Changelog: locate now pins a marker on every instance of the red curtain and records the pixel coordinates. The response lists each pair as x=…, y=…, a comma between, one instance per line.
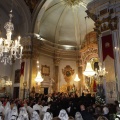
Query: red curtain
x=107, y=46
x=94, y=86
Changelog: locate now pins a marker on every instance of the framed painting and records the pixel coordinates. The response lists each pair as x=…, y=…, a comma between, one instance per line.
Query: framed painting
x=45, y=70
x=17, y=76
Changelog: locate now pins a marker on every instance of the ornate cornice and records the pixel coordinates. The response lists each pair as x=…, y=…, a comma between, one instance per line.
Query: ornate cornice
x=105, y=13
x=105, y=24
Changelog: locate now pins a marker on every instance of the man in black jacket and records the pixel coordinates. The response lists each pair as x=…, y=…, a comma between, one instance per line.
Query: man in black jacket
x=85, y=114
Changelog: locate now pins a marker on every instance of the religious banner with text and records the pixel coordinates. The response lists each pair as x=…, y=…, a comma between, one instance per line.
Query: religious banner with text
x=107, y=46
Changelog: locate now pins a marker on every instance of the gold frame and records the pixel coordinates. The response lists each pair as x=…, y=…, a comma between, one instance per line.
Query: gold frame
x=45, y=70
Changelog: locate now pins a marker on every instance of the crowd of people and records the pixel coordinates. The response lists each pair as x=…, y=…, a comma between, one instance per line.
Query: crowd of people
x=56, y=106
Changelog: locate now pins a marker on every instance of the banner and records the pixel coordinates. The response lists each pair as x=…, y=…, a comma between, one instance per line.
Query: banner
x=22, y=75
x=107, y=46
x=94, y=86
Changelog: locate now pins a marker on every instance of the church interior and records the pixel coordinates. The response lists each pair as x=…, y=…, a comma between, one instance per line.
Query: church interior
x=64, y=46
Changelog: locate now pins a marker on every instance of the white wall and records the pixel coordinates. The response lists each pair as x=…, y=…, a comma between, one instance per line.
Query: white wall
x=44, y=60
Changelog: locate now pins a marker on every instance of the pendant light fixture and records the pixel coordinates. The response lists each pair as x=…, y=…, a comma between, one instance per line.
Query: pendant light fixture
x=77, y=79
x=89, y=71
x=39, y=77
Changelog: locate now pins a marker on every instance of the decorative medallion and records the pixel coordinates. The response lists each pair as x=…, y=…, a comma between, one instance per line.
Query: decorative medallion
x=68, y=73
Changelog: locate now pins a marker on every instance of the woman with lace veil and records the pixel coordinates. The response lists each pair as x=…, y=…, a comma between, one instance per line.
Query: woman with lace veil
x=63, y=115
x=23, y=115
x=35, y=116
x=47, y=116
x=78, y=116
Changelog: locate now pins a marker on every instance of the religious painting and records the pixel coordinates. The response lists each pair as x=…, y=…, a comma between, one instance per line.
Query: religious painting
x=17, y=76
x=45, y=70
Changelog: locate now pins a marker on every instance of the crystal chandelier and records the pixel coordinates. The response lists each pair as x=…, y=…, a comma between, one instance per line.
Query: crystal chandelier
x=89, y=71
x=101, y=72
x=8, y=82
x=39, y=78
x=77, y=78
x=10, y=49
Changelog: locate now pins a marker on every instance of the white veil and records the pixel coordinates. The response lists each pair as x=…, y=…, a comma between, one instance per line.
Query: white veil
x=23, y=115
x=35, y=116
x=63, y=115
x=14, y=113
x=47, y=116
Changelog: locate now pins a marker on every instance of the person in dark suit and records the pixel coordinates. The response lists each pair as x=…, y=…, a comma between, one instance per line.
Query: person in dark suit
x=85, y=114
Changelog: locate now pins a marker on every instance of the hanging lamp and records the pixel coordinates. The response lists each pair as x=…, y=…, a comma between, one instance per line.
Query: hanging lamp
x=89, y=71
x=77, y=78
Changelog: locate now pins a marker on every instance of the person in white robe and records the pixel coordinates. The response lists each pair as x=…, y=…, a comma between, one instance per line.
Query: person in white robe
x=23, y=115
x=29, y=110
x=13, y=114
x=1, y=111
x=48, y=116
x=63, y=115
x=7, y=111
x=37, y=107
x=35, y=116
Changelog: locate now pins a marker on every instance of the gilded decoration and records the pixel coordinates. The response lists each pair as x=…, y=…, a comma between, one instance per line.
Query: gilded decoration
x=65, y=88
x=68, y=74
x=105, y=24
x=89, y=48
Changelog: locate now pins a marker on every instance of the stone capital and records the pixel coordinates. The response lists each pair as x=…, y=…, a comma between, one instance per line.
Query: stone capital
x=56, y=61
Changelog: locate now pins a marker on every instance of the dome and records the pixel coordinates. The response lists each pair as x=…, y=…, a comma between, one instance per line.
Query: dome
x=61, y=24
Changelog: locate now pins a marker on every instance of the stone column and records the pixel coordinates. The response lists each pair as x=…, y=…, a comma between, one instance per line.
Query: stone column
x=26, y=42
x=80, y=75
x=56, y=86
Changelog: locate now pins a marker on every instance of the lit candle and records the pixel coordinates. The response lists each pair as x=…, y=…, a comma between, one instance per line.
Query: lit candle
x=21, y=48
x=19, y=40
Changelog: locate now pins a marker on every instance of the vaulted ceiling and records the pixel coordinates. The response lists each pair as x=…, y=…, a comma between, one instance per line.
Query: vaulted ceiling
x=55, y=21
x=61, y=24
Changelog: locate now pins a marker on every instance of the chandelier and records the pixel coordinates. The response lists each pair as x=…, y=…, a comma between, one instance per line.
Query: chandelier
x=39, y=78
x=89, y=71
x=101, y=72
x=77, y=78
x=10, y=49
x=72, y=3
x=8, y=83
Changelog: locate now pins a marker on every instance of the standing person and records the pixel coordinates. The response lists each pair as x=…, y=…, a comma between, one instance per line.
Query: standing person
x=1, y=111
x=85, y=114
x=14, y=113
x=7, y=110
